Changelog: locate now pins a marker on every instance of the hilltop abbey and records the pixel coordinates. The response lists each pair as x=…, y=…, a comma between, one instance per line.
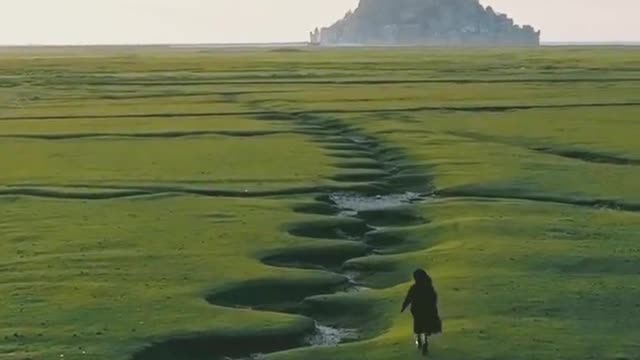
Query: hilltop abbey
x=426, y=22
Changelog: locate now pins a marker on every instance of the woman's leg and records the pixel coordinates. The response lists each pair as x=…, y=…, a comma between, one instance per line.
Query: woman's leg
x=425, y=344
x=418, y=331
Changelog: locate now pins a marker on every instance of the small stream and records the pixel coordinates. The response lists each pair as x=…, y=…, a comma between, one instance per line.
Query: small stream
x=350, y=204
x=394, y=190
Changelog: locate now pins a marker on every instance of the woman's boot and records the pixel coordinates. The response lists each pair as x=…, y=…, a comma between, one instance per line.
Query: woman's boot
x=425, y=345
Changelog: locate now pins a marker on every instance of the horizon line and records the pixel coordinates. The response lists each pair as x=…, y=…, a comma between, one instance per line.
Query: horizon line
x=292, y=43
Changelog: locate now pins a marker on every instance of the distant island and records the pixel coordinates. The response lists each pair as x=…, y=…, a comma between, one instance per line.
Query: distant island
x=426, y=22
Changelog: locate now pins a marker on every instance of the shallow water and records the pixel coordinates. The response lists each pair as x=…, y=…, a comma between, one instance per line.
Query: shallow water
x=354, y=285
x=323, y=336
x=330, y=336
x=359, y=139
x=352, y=203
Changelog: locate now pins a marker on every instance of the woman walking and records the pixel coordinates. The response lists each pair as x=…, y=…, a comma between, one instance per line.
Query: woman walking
x=424, y=307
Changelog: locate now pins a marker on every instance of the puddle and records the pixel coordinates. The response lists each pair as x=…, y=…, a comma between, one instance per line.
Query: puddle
x=330, y=336
x=323, y=336
x=354, y=285
x=358, y=139
x=351, y=203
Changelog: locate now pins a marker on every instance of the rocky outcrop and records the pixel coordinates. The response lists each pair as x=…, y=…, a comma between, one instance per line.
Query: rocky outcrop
x=426, y=22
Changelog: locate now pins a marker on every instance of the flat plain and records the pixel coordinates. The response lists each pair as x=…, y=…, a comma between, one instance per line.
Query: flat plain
x=192, y=204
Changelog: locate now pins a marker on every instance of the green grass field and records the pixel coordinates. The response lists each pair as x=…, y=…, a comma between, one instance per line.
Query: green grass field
x=167, y=204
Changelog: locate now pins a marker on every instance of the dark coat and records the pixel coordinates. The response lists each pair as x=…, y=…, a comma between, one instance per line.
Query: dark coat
x=424, y=308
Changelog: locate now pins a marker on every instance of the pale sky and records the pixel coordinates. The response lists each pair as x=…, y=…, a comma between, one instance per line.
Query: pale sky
x=47, y=22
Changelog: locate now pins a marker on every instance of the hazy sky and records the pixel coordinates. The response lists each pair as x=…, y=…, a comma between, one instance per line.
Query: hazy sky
x=214, y=21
